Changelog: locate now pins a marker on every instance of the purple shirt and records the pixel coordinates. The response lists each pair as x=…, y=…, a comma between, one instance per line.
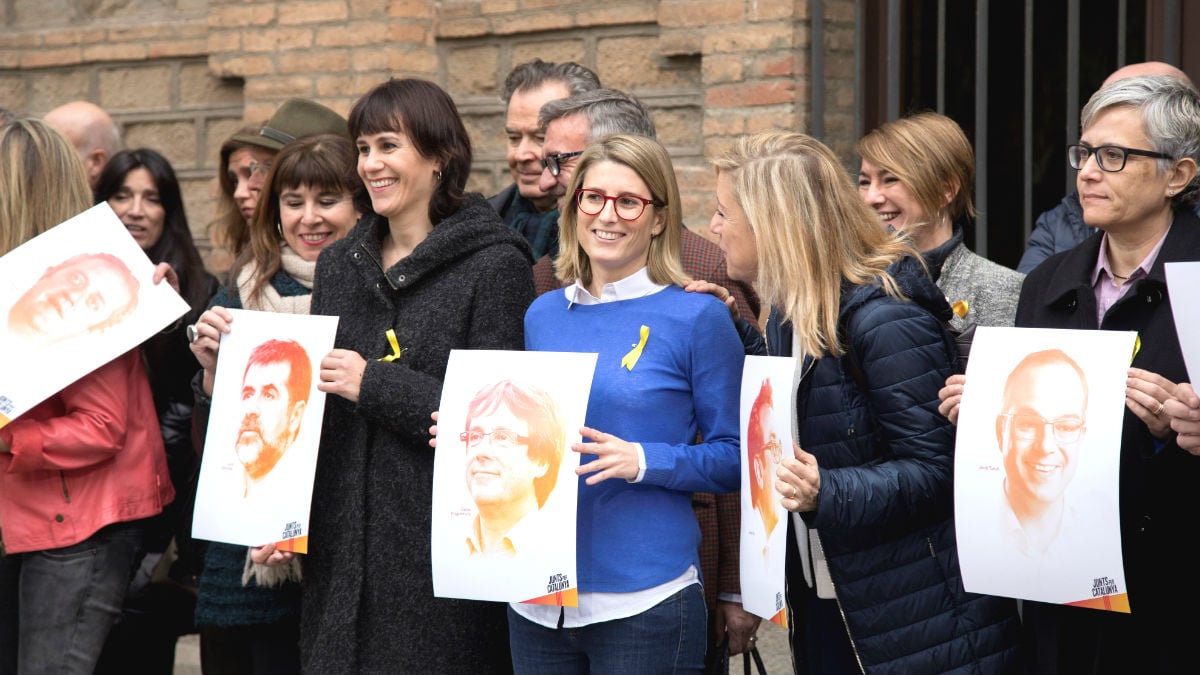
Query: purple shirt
x=1104, y=283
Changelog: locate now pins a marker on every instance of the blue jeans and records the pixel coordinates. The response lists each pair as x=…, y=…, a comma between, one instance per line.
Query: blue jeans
x=58, y=605
x=666, y=639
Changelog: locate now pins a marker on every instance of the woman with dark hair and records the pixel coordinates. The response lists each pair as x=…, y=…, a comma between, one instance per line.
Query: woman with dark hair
x=141, y=188
x=249, y=615
x=431, y=270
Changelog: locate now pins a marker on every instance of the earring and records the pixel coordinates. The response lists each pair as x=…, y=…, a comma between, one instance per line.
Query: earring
x=279, y=228
x=438, y=175
x=1170, y=193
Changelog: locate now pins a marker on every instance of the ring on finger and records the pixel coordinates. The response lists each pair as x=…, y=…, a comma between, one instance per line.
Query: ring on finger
x=1159, y=409
x=191, y=333
x=795, y=492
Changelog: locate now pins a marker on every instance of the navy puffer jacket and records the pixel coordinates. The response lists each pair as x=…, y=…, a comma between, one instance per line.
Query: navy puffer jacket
x=885, y=506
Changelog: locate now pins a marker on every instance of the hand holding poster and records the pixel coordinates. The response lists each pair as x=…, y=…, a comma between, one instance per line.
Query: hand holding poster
x=78, y=296
x=1036, y=466
x=260, y=451
x=504, y=483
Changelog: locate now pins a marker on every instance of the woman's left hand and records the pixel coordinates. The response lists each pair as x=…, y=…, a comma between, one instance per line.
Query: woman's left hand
x=269, y=555
x=615, y=458
x=799, y=481
x=1146, y=394
x=164, y=271
x=342, y=373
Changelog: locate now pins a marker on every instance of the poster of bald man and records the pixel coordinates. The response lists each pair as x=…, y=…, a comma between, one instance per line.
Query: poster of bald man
x=260, y=450
x=72, y=299
x=1036, y=467
x=504, y=483
x=766, y=418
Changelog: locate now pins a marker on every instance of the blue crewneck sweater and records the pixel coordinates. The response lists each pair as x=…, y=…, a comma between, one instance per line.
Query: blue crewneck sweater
x=634, y=536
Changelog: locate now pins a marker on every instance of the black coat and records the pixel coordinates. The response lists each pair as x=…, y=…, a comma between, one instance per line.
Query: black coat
x=1158, y=482
x=368, y=590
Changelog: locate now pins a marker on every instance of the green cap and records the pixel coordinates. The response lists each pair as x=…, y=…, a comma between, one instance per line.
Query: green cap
x=296, y=118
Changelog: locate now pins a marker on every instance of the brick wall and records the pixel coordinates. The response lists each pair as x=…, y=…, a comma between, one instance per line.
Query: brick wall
x=181, y=75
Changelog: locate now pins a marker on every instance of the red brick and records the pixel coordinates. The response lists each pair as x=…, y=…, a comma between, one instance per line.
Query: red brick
x=279, y=87
x=496, y=6
x=241, y=16
x=353, y=34
x=177, y=48
x=317, y=61
x=528, y=23
x=762, y=37
x=750, y=94
x=414, y=32
x=368, y=9
x=705, y=13
x=462, y=28
x=410, y=9
x=298, y=13
x=276, y=39
x=779, y=67
x=44, y=58
x=597, y=14
x=224, y=41
x=115, y=52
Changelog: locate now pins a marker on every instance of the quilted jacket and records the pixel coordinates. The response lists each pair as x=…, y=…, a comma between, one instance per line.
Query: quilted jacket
x=885, y=507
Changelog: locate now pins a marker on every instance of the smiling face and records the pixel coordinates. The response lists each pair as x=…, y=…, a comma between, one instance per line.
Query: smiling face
x=501, y=479
x=399, y=180
x=313, y=219
x=139, y=207
x=890, y=198
x=85, y=293
x=524, y=152
x=1132, y=196
x=616, y=248
x=1038, y=467
x=247, y=187
x=734, y=235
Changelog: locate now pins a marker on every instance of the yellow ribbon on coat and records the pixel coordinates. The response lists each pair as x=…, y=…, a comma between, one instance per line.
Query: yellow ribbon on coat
x=630, y=360
x=396, y=351
x=1137, y=347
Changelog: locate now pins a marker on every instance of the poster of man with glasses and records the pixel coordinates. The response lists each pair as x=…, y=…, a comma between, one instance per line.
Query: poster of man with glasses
x=1036, y=468
x=505, y=488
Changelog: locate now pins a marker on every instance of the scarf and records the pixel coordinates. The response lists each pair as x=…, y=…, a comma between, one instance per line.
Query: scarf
x=268, y=299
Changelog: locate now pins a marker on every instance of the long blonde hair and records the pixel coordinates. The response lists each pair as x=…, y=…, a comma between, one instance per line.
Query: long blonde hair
x=42, y=181
x=812, y=232
x=650, y=161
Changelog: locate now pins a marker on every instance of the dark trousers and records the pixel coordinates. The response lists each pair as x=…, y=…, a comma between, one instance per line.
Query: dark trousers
x=269, y=649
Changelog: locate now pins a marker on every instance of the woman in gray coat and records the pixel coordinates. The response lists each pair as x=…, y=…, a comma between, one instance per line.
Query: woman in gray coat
x=431, y=270
x=917, y=174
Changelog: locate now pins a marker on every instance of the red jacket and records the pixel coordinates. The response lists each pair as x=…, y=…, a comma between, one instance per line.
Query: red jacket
x=89, y=456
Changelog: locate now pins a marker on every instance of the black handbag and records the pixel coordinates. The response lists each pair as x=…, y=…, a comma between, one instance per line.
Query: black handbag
x=720, y=664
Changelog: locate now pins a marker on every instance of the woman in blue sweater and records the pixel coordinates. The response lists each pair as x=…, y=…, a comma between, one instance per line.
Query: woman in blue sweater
x=669, y=369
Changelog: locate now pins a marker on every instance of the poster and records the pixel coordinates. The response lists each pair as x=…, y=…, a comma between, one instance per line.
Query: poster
x=1036, y=468
x=505, y=492
x=72, y=299
x=767, y=401
x=1183, y=278
x=264, y=429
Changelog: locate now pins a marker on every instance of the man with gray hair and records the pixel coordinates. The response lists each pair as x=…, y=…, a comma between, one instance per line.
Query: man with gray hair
x=90, y=129
x=568, y=126
x=523, y=206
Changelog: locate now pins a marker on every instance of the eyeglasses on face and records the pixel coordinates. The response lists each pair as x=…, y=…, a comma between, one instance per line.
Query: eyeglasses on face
x=627, y=207
x=1110, y=158
x=501, y=438
x=1028, y=427
x=260, y=168
x=554, y=161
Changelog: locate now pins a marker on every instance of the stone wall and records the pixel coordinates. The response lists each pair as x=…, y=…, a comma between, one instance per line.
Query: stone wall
x=181, y=75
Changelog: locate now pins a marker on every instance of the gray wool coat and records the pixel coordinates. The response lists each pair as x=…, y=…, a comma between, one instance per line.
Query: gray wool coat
x=989, y=290
x=368, y=602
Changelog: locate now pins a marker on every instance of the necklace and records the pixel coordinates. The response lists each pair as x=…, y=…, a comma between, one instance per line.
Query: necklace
x=1118, y=276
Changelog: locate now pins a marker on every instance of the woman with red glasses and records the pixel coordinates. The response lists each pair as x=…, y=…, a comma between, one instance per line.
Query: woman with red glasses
x=669, y=368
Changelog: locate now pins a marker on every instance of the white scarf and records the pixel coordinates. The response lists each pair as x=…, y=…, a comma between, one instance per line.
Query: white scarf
x=269, y=299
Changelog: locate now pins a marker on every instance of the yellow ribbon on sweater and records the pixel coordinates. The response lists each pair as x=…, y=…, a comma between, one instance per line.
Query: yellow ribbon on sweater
x=631, y=359
x=1137, y=347
x=396, y=351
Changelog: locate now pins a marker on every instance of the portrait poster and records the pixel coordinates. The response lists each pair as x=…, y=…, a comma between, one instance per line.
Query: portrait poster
x=1036, y=467
x=72, y=299
x=264, y=429
x=505, y=492
x=768, y=391
x=1183, y=278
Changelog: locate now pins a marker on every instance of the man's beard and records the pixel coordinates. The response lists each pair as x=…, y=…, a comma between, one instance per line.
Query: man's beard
x=253, y=450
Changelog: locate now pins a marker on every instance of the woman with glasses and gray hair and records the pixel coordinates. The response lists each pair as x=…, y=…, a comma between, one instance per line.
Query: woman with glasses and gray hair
x=1137, y=159
x=669, y=366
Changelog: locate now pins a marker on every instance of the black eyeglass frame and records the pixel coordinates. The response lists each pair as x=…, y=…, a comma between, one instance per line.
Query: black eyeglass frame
x=1125, y=152
x=579, y=192
x=554, y=161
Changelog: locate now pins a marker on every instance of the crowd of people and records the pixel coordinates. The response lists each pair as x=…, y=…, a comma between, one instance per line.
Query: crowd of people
x=865, y=279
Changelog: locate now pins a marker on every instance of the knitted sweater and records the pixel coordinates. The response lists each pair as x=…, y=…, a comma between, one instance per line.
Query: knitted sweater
x=686, y=380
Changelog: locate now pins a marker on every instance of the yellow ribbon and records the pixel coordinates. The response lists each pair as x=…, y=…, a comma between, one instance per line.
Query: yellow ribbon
x=1137, y=347
x=631, y=359
x=396, y=351
x=960, y=307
